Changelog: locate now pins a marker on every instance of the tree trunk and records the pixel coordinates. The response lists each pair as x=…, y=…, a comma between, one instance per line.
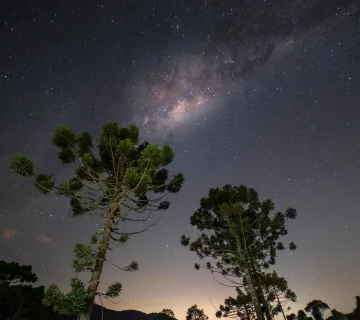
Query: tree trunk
x=282, y=310
x=244, y=265
x=250, y=288
x=261, y=293
x=100, y=259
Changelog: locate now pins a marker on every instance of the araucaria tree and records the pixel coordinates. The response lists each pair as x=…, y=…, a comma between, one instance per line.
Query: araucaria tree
x=116, y=181
x=242, y=234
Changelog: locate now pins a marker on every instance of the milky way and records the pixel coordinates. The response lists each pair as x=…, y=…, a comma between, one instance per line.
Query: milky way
x=187, y=87
x=180, y=95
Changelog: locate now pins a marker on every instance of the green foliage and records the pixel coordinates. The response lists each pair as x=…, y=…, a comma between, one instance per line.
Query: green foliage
x=84, y=143
x=70, y=187
x=114, y=290
x=64, y=137
x=223, y=212
x=94, y=239
x=133, y=133
x=125, y=148
x=242, y=234
x=167, y=155
x=66, y=155
x=131, y=177
x=71, y=303
x=22, y=165
x=77, y=208
x=44, y=183
x=123, y=238
x=110, y=133
x=151, y=156
x=176, y=183
x=84, y=258
x=111, y=181
x=194, y=313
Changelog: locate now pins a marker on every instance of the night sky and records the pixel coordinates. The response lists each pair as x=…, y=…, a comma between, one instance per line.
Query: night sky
x=262, y=93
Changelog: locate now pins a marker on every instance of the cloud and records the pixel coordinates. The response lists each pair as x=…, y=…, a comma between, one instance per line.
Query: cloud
x=9, y=234
x=43, y=239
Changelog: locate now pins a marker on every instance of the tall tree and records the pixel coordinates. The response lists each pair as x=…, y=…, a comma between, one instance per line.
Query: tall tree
x=194, y=313
x=242, y=233
x=317, y=309
x=117, y=181
x=19, y=299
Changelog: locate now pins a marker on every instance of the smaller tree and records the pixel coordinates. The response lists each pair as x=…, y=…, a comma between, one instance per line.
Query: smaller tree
x=12, y=273
x=241, y=307
x=18, y=298
x=194, y=313
x=168, y=312
x=317, y=309
x=278, y=292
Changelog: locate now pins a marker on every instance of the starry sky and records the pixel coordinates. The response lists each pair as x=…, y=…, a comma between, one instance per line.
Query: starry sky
x=263, y=93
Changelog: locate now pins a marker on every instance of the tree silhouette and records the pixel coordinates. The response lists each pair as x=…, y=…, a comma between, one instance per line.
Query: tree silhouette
x=116, y=182
x=12, y=273
x=194, y=313
x=301, y=315
x=168, y=312
x=317, y=309
x=278, y=292
x=355, y=315
x=18, y=298
x=242, y=234
x=337, y=314
x=240, y=307
x=291, y=316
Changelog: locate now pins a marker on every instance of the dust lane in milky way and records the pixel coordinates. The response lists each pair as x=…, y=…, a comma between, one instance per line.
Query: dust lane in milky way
x=187, y=87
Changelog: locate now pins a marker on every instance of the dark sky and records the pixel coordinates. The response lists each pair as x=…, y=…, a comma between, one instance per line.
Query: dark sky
x=262, y=93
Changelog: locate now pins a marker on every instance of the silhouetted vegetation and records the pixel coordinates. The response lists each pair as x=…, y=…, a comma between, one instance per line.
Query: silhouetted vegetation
x=19, y=298
x=317, y=309
x=116, y=182
x=168, y=312
x=194, y=313
x=242, y=234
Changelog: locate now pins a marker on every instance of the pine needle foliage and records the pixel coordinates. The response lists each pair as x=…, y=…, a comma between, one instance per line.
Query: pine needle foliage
x=242, y=235
x=119, y=180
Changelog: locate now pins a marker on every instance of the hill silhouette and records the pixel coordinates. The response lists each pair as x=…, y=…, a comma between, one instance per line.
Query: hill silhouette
x=120, y=315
